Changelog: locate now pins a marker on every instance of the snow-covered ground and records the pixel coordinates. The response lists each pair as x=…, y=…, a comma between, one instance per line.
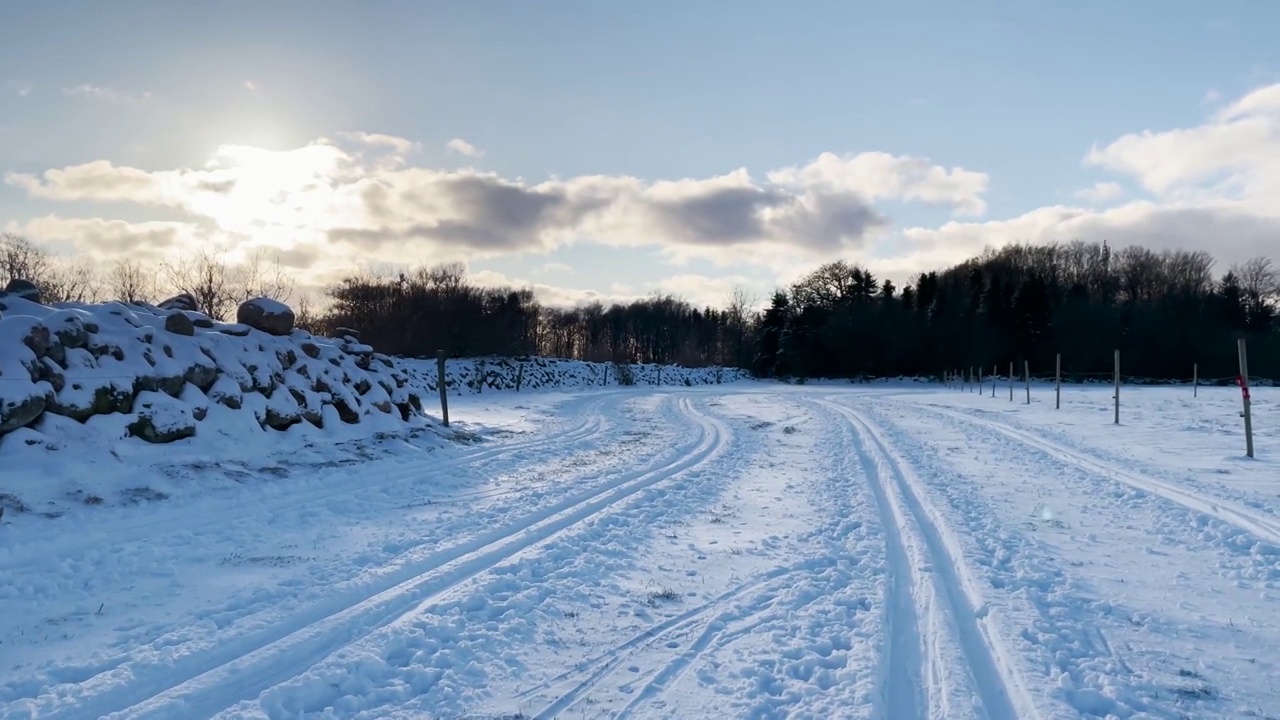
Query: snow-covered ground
x=748, y=550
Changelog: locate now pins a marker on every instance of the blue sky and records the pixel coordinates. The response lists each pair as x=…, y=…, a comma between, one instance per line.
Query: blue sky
x=1012, y=95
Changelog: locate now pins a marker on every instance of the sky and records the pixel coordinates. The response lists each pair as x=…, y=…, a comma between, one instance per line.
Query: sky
x=601, y=150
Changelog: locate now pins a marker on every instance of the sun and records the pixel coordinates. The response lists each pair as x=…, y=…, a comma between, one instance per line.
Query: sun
x=274, y=197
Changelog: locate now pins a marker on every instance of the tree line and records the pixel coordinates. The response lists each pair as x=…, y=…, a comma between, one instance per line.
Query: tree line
x=436, y=308
x=1163, y=310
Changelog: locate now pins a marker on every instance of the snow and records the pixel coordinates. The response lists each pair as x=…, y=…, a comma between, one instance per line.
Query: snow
x=749, y=549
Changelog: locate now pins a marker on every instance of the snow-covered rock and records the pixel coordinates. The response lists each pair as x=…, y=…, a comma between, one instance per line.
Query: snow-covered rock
x=269, y=316
x=161, y=370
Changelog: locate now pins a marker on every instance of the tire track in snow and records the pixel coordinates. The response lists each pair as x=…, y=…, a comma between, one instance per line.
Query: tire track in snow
x=203, y=685
x=136, y=529
x=1256, y=524
x=904, y=506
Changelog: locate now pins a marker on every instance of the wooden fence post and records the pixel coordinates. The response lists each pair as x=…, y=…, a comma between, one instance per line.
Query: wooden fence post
x=1026, y=377
x=444, y=392
x=1117, y=398
x=1244, y=397
x=995, y=373
x=1010, y=381
x=606, y=375
x=979, y=381
x=1195, y=380
x=519, y=375
x=1057, y=382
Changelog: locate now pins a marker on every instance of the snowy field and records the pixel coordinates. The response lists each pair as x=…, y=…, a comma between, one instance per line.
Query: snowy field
x=748, y=550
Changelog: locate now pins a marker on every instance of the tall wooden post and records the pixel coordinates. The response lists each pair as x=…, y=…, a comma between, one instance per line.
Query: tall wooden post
x=995, y=373
x=979, y=381
x=1057, y=382
x=1117, y=398
x=1010, y=381
x=1244, y=396
x=1026, y=376
x=519, y=376
x=606, y=375
x=444, y=392
x=1195, y=380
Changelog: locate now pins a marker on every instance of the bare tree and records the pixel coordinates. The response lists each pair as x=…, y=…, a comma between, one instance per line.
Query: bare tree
x=128, y=281
x=77, y=282
x=21, y=259
x=1259, y=279
x=205, y=276
x=219, y=287
x=260, y=277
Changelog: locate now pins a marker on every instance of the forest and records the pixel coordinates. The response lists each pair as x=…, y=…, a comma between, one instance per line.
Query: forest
x=1165, y=311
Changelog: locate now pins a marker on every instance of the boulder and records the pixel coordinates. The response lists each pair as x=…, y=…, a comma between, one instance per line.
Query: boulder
x=70, y=328
x=178, y=323
x=39, y=339
x=24, y=289
x=185, y=302
x=346, y=332
x=21, y=412
x=161, y=419
x=269, y=316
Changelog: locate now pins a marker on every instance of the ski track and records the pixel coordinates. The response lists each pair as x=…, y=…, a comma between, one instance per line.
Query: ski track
x=1000, y=688
x=1224, y=511
x=163, y=647
x=201, y=686
x=133, y=529
x=767, y=586
x=817, y=610
x=904, y=597
x=1058, y=623
x=599, y=543
x=157, y=648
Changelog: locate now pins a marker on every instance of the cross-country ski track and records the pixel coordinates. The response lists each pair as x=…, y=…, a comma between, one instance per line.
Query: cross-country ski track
x=752, y=550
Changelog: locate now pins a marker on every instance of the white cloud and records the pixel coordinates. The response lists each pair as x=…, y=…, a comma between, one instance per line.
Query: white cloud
x=104, y=239
x=251, y=85
x=398, y=145
x=462, y=147
x=330, y=207
x=1100, y=193
x=881, y=176
x=1235, y=154
x=561, y=268
x=322, y=194
x=104, y=93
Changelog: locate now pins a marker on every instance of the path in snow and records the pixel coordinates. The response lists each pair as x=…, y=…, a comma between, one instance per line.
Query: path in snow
x=747, y=551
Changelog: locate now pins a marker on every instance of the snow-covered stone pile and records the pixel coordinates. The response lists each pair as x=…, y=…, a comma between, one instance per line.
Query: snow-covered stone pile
x=155, y=372
x=480, y=375
x=158, y=372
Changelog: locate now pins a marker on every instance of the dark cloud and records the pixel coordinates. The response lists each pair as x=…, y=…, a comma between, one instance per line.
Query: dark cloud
x=720, y=216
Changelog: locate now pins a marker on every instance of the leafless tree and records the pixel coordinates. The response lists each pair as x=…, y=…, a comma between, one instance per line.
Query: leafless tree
x=77, y=282
x=1259, y=279
x=20, y=258
x=219, y=287
x=129, y=281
